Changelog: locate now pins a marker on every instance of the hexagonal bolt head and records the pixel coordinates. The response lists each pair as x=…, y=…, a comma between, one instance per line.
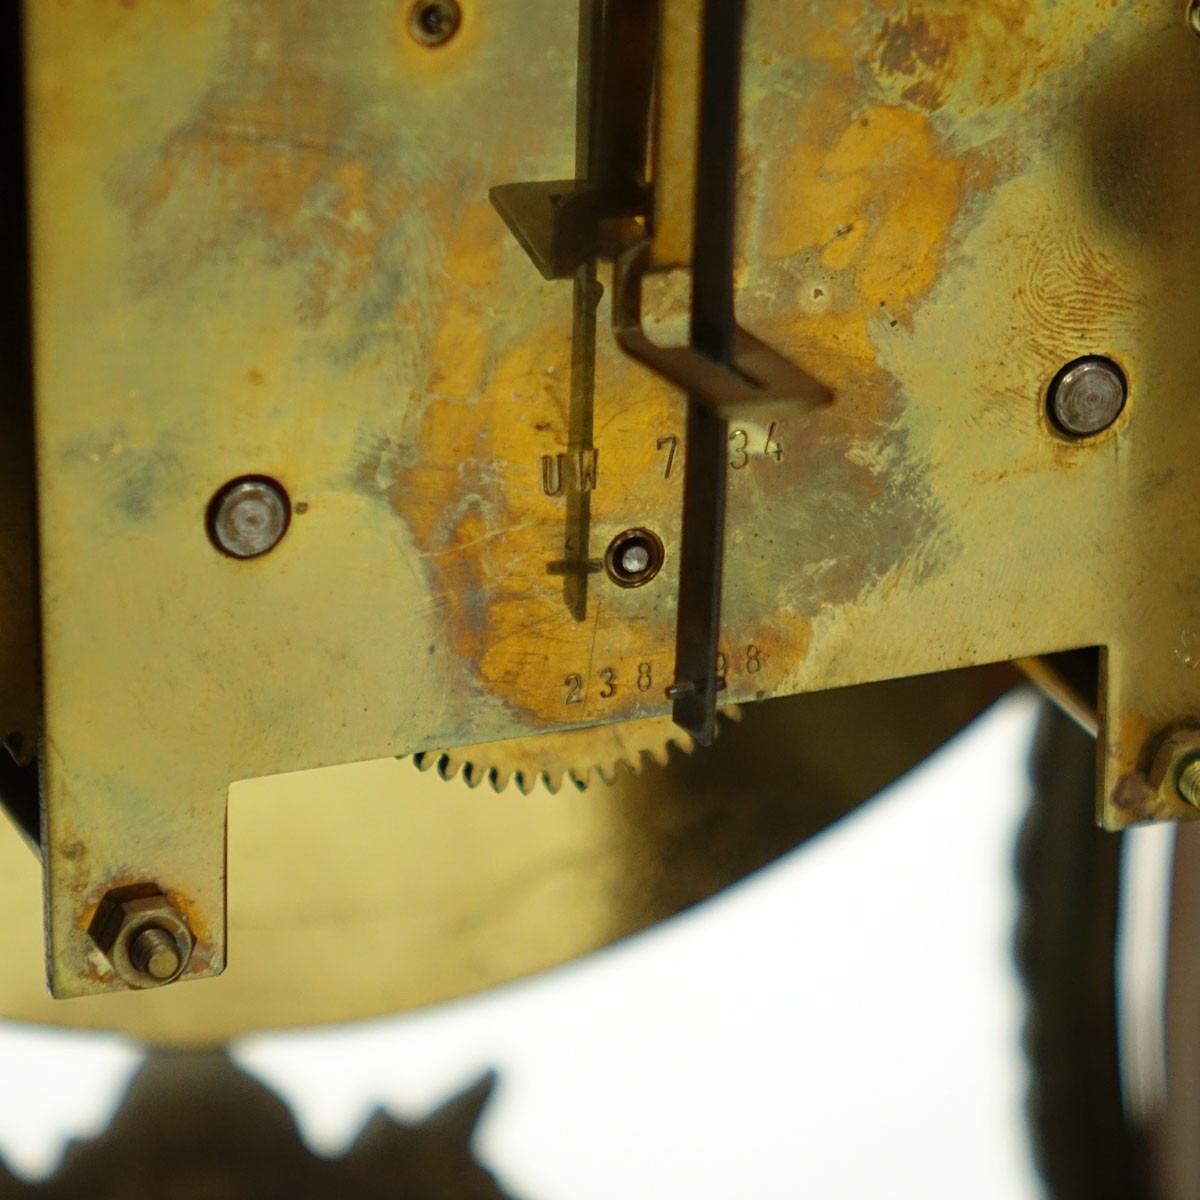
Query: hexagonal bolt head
x=142, y=934
x=1175, y=772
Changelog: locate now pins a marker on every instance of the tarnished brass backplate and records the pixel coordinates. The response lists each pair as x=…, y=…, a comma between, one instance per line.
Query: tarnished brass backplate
x=374, y=888
x=262, y=245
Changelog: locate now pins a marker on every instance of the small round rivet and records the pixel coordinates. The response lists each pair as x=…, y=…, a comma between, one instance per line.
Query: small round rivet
x=1193, y=17
x=1087, y=396
x=634, y=558
x=434, y=22
x=248, y=517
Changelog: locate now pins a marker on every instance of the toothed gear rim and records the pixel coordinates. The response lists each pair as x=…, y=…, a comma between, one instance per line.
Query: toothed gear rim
x=573, y=756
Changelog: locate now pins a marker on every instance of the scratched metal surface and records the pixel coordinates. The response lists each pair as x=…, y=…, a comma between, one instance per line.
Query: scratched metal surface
x=262, y=244
x=374, y=888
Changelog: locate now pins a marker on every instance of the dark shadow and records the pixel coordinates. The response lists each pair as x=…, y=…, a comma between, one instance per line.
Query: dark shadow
x=194, y=1127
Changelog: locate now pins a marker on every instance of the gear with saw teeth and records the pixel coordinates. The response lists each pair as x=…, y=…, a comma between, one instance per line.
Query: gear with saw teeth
x=572, y=756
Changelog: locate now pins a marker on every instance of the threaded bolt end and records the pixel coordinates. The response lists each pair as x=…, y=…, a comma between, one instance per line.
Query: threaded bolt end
x=1188, y=783
x=155, y=954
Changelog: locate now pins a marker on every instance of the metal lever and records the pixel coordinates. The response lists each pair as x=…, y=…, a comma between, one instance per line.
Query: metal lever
x=755, y=377
x=692, y=50
x=725, y=370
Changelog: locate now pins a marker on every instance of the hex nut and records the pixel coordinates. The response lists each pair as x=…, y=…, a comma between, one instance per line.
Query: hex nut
x=1170, y=773
x=135, y=928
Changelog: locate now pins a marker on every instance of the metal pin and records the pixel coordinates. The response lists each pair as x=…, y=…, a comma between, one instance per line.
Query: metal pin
x=248, y=517
x=688, y=688
x=634, y=557
x=154, y=952
x=1087, y=396
x=1188, y=783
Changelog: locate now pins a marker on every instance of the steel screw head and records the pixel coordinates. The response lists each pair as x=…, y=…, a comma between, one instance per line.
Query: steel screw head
x=248, y=517
x=1087, y=396
x=143, y=936
x=434, y=22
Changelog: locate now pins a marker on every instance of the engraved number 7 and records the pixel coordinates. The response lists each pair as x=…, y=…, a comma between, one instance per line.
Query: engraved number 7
x=670, y=444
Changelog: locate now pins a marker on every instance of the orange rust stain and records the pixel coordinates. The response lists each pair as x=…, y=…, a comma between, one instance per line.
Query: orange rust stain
x=329, y=147
x=1134, y=800
x=1134, y=738
x=282, y=155
x=200, y=926
x=1066, y=292
x=922, y=94
x=859, y=203
x=467, y=485
x=910, y=45
x=460, y=350
x=464, y=316
x=938, y=51
x=784, y=36
x=93, y=968
x=466, y=480
x=784, y=639
x=267, y=164
x=878, y=203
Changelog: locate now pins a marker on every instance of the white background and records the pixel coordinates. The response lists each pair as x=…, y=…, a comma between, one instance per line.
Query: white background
x=844, y=1024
